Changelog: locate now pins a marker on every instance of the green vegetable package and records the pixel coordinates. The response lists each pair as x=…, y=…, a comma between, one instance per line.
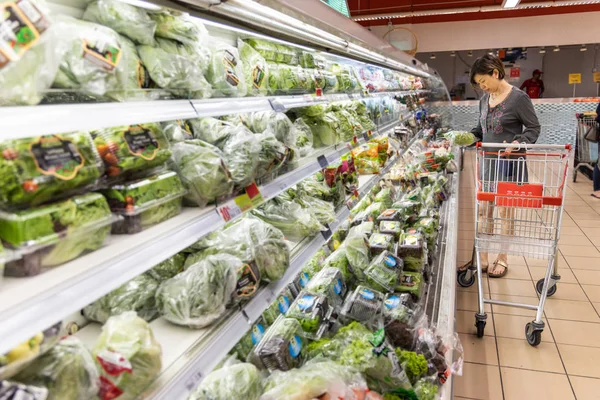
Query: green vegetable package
x=179, y=26
x=226, y=72
x=168, y=268
x=256, y=69
x=242, y=152
x=283, y=346
x=241, y=381
x=126, y=19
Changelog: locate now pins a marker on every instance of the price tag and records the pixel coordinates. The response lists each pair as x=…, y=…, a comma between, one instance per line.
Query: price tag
x=193, y=381
x=235, y=207
x=365, y=136
x=369, y=133
x=326, y=233
x=322, y=160
x=319, y=92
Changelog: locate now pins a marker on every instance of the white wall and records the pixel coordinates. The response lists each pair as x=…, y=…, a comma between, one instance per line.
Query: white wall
x=548, y=30
x=556, y=67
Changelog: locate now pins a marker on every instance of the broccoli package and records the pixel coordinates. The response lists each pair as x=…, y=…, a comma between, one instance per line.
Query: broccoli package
x=226, y=72
x=145, y=202
x=38, y=169
x=124, y=18
x=128, y=357
x=384, y=272
x=312, y=311
x=198, y=296
x=363, y=305
x=67, y=370
x=330, y=282
x=129, y=150
x=53, y=234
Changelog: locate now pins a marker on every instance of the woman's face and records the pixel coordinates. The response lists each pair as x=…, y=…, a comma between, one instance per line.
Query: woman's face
x=488, y=83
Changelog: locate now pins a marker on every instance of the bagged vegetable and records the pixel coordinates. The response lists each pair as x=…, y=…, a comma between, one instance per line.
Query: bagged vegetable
x=240, y=381
x=14, y=390
x=356, y=248
x=251, y=338
x=384, y=272
x=311, y=310
x=330, y=282
x=126, y=19
x=136, y=295
x=202, y=169
x=256, y=69
x=338, y=260
x=241, y=152
x=226, y=72
x=324, y=211
x=67, y=371
x=273, y=154
x=29, y=176
x=304, y=137
x=283, y=346
x=279, y=306
x=168, y=268
x=326, y=130
x=177, y=131
x=277, y=123
x=128, y=357
x=211, y=130
x=460, y=138
x=179, y=26
x=197, y=297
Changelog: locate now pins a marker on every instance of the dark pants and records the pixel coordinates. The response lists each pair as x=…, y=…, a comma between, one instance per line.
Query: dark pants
x=596, y=178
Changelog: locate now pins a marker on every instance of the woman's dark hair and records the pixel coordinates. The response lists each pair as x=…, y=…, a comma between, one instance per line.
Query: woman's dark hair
x=486, y=65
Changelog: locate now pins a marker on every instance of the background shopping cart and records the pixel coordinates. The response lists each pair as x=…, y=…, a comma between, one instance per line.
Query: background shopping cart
x=586, y=152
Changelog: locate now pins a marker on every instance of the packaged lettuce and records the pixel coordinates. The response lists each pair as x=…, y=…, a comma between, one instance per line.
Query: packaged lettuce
x=288, y=79
x=384, y=271
x=53, y=234
x=241, y=153
x=280, y=306
x=409, y=209
x=379, y=242
x=357, y=252
x=168, y=268
x=128, y=357
x=304, y=137
x=391, y=227
x=273, y=154
x=363, y=305
x=179, y=26
x=226, y=72
x=324, y=211
x=330, y=282
x=326, y=130
x=283, y=346
x=385, y=196
x=364, y=229
x=461, y=138
x=67, y=370
x=410, y=282
x=251, y=338
x=412, y=249
x=311, y=310
x=295, y=222
x=126, y=19
x=265, y=48
x=177, y=131
x=389, y=215
x=136, y=295
x=286, y=54
x=398, y=307
x=197, y=297
x=202, y=169
x=278, y=124
x=211, y=130
x=240, y=381
x=339, y=260
x=307, y=59
x=38, y=169
x=256, y=69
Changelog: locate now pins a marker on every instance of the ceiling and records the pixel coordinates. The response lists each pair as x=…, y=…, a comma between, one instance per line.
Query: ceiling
x=381, y=12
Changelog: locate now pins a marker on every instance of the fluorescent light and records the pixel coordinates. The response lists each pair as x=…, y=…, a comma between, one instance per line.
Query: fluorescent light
x=470, y=53
x=453, y=54
x=583, y=48
x=556, y=49
x=142, y=4
x=432, y=56
x=543, y=50
x=510, y=3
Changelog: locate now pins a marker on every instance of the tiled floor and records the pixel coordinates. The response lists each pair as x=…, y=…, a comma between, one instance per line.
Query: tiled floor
x=566, y=365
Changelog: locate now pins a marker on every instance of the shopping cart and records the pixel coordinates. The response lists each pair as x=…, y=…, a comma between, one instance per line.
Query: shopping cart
x=518, y=211
x=586, y=151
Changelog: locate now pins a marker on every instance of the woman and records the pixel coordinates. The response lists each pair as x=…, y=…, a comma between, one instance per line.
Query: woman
x=506, y=115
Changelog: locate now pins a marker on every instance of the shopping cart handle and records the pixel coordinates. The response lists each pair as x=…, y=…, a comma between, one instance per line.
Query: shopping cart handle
x=525, y=146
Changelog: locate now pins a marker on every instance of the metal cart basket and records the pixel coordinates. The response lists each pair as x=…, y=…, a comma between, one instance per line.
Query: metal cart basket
x=520, y=193
x=586, y=152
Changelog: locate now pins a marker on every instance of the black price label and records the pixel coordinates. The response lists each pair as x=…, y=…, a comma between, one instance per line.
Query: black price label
x=365, y=136
x=327, y=233
x=322, y=160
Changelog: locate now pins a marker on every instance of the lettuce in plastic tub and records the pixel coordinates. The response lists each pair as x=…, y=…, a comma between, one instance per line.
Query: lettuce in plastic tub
x=384, y=272
x=238, y=381
x=128, y=150
x=283, y=346
x=399, y=307
x=330, y=282
x=136, y=295
x=461, y=138
x=197, y=297
x=391, y=228
x=53, y=234
x=178, y=26
x=202, y=169
x=311, y=310
x=304, y=137
x=412, y=249
x=67, y=370
x=380, y=242
x=363, y=305
x=256, y=69
x=126, y=19
x=38, y=169
x=128, y=357
x=410, y=282
x=226, y=72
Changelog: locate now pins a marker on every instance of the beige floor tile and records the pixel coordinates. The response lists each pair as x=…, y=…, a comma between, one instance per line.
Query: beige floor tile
x=597, y=307
x=539, y=262
x=512, y=287
x=465, y=323
x=566, y=276
x=513, y=327
x=592, y=231
x=473, y=287
x=520, y=272
x=585, y=388
x=580, y=251
x=575, y=333
x=580, y=360
x=517, y=353
x=566, y=240
x=520, y=385
x=479, y=382
x=587, y=276
x=467, y=301
x=571, y=230
x=570, y=310
x=593, y=292
x=479, y=350
x=589, y=223
x=570, y=291
x=583, y=262
x=514, y=310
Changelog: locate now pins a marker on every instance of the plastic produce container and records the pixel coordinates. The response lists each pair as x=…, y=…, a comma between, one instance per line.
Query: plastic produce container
x=363, y=305
x=53, y=234
x=391, y=228
x=283, y=346
x=280, y=306
x=412, y=249
x=330, y=282
x=384, y=272
x=311, y=310
x=379, y=242
x=36, y=170
x=145, y=202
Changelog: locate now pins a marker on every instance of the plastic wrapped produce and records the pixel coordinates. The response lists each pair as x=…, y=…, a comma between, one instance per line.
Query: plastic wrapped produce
x=177, y=131
x=330, y=282
x=19, y=391
x=363, y=305
x=385, y=196
x=384, y=272
x=282, y=348
x=304, y=137
x=256, y=69
x=241, y=381
x=399, y=307
x=53, y=234
x=126, y=19
x=145, y=202
x=409, y=210
x=425, y=390
x=391, y=214
x=312, y=267
x=128, y=357
x=325, y=129
x=280, y=306
x=461, y=138
x=179, y=26
x=30, y=62
x=241, y=152
x=311, y=310
x=38, y=169
x=287, y=79
x=391, y=228
x=338, y=260
x=411, y=248
x=67, y=370
x=364, y=228
x=202, y=169
x=295, y=222
x=226, y=72
x=356, y=248
x=211, y=130
x=410, y=282
x=168, y=268
x=136, y=295
x=278, y=124
x=265, y=48
x=380, y=242
x=197, y=297
x=273, y=154
x=324, y=211
x=251, y=338
x=128, y=150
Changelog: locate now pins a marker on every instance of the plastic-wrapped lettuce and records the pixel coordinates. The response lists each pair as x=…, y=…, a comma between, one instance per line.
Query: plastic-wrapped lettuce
x=67, y=370
x=168, y=268
x=241, y=152
x=323, y=210
x=176, y=131
x=240, y=381
x=211, y=130
x=287, y=79
x=273, y=154
x=126, y=19
x=202, y=169
x=179, y=26
x=265, y=48
x=326, y=129
x=15, y=390
x=29, y=63
x=197, y=297
x=136, y=295
x=356, y=248
x=127, y=355
x=198, y=53
x=226, y=72
x=256, y=69
x=304, y=137
x=461, y=138
x=134, y=76
x=277, y=123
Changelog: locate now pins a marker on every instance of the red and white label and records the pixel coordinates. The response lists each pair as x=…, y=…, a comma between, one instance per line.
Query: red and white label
x=108, y=390
x=113, y=363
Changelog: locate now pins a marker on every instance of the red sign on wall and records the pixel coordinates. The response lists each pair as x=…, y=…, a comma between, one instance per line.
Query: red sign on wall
x=515, y=72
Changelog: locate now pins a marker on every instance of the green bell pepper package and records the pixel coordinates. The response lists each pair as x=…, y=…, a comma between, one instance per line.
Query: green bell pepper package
x=311, y=310
x=53, y=234
x=36, y=170
x=330, y=282
x=129, y=150
x=226, y=72
x=256, y=69
x=29, y=63
x=384, y=272
x=124, y=18
x=145, y=202
x=282, y=348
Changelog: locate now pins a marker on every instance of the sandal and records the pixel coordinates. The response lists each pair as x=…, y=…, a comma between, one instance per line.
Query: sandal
x=500, y=275
x=468, y=264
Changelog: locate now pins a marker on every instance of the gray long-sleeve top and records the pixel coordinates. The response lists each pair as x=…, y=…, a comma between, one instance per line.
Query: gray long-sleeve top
x=513, y=119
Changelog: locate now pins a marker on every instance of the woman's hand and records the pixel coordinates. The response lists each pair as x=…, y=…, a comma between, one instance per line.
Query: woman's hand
x=509, y=149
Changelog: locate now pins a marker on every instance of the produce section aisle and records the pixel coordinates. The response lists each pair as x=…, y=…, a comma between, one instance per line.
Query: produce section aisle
x=564, y=366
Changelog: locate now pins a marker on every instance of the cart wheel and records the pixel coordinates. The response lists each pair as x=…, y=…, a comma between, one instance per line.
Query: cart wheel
x=575, y=176
x=540, y=285
x=480, y=325
x=534, y=336
x=463, y=280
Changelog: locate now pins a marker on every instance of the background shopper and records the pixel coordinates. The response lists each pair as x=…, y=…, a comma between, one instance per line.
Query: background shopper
x=534, y=86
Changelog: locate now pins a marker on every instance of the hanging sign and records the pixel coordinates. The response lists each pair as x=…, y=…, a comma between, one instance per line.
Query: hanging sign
x=515, y=72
